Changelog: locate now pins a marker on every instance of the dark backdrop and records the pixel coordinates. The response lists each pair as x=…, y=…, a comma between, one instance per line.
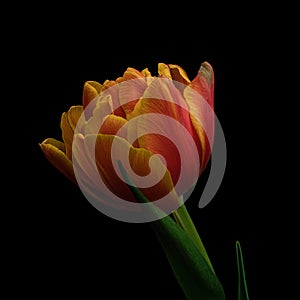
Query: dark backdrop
x=68, y=247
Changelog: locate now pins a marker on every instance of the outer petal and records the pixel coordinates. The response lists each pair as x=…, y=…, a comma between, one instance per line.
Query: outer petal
x=58, y=144
x=204, y=83
x=53, y=151
x=202, y=88
x=68, y=123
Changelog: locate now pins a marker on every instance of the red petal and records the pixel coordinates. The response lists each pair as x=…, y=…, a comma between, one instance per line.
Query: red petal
x=200, y=93
x=162, y=113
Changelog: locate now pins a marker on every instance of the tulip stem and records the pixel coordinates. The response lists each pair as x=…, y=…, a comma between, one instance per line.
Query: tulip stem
x=183, y=219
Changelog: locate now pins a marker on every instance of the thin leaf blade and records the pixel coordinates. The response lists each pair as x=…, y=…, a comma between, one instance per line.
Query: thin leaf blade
x=242, y=283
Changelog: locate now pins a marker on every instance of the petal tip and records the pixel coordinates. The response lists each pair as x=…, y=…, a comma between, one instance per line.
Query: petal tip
x=206, y=71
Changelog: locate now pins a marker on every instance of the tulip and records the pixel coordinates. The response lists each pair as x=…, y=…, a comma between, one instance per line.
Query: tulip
x=160, y=125
x=187, y=110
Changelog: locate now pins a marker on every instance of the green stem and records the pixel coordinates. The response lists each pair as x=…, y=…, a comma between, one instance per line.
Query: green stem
x=183, y=218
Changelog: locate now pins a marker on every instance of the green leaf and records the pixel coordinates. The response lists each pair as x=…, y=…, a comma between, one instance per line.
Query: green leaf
x=189, y=266
x=184, y=220
x=191, y=269
x=242, y=283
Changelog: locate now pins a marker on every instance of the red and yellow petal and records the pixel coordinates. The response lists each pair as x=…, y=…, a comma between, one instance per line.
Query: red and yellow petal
x=53, y=151
x=204, y=83
x=139, y=163
x=179, y=74
x=200, y=99
x=159, y=121
x=175, y=73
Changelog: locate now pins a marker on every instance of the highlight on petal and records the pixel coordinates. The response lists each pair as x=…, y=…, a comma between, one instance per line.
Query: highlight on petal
x=53, y=151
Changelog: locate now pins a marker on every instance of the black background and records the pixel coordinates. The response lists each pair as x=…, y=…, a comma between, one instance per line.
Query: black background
x=65, y=246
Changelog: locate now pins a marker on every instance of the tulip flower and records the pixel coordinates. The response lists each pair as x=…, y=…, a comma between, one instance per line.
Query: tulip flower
x=186, y=110
x=161, y=125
